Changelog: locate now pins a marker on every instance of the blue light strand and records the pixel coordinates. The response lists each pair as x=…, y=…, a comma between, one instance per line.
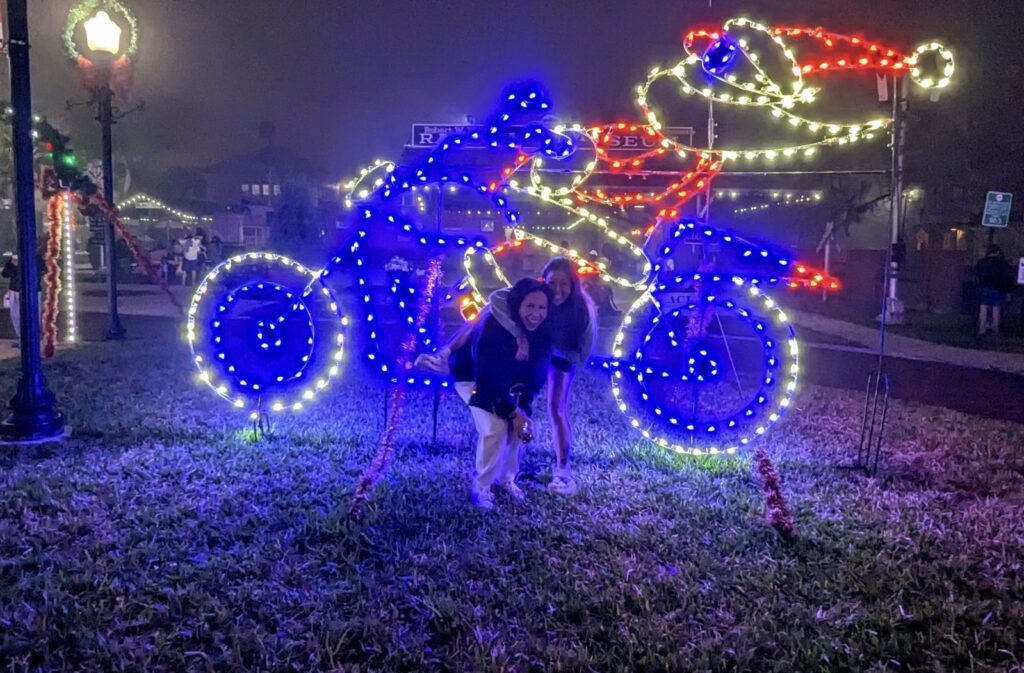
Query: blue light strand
x=273, y=358
x=508, y=131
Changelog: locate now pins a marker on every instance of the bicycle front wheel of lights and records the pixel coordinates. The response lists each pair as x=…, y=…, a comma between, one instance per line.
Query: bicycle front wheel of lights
x=266, y=333
x=707, y=374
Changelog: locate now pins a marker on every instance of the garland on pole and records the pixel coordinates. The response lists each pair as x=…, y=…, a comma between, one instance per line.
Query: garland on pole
x=97, y=201
x=120, y=70
x=52, y=277
x=386, y=447
x=777, y=509
x=64, y=174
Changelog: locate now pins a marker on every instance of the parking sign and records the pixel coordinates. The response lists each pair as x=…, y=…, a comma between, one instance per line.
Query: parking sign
x=997, y=209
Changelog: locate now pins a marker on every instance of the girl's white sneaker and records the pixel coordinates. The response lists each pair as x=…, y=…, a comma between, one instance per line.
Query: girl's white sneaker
x=562, y=482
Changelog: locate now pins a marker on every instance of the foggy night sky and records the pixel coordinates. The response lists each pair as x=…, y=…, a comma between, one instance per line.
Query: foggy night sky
x=342, y=80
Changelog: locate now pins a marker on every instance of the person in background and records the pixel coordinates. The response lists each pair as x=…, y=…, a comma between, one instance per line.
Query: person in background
x=996, y=280
x=12, y=297
x=178, y=258
x=167, y=266
x=499, y=387
x=203, y=260
x=215, y=253
x=190, y=251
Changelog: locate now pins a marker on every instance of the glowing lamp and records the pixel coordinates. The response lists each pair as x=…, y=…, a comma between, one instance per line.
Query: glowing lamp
x=102, y=35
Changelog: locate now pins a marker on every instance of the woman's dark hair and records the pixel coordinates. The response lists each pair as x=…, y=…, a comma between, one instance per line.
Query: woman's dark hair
x=517, y=295
x=579, y=304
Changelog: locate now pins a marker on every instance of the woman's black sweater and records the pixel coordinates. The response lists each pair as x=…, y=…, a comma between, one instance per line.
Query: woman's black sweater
x=502, y=382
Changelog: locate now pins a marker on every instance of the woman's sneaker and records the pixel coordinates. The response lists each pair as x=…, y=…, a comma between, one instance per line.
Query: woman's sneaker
x=562, y=482
x=512, y=488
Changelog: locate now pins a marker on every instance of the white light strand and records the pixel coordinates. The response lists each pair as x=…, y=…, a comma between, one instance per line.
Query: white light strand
x=70, y=296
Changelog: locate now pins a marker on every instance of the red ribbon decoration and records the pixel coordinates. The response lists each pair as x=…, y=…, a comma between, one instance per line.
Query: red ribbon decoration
x=140, y=257
x=778, y=514
x=52, y=277
x=386, y=446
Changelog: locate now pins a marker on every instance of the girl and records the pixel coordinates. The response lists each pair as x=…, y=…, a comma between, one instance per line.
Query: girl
x=499, y=388
x=571, y=324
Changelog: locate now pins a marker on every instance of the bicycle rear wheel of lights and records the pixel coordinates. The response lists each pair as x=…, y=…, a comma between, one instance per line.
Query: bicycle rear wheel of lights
x=706, y=376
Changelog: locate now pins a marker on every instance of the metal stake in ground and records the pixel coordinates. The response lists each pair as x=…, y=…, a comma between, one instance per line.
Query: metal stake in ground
x=876, y=397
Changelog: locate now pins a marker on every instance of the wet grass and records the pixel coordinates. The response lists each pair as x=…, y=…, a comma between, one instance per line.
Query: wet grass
x=162, y=537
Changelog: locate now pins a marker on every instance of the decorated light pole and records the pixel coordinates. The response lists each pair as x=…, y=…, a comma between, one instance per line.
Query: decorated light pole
x=33, y=413
x=100, y=36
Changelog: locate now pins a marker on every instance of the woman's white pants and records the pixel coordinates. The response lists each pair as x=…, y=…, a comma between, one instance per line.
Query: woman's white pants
x=497, y=448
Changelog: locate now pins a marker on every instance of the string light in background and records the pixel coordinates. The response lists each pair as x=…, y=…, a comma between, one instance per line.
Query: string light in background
x=786, y=200
x=135, y=200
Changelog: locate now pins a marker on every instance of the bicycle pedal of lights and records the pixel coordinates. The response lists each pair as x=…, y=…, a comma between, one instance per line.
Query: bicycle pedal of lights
x=267, y=333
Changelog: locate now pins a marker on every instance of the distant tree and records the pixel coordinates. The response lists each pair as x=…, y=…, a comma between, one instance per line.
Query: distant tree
x=182, y=184
x=295, y=224
x=851, y=201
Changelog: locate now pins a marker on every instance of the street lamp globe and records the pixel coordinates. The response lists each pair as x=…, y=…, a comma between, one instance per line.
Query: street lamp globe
x=102, y=35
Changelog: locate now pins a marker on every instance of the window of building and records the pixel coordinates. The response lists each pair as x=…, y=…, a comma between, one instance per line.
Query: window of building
x=266, y=190
x=245, y=189
x=955, y=238
x=277, y=190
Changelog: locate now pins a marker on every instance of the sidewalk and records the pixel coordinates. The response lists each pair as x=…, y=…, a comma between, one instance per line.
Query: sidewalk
x=909, y=348
x=7, y=349
x=134, y=299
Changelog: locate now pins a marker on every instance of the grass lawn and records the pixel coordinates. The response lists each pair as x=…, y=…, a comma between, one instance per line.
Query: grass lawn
x=161, y=538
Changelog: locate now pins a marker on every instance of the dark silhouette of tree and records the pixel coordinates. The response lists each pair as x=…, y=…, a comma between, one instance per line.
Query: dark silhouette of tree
x=182, y=184
x=295, y=223
x=267, y=131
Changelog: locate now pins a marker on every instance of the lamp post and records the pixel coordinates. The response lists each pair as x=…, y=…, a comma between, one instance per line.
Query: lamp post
x=33, y=413
x=103, y=40
x=100, y=38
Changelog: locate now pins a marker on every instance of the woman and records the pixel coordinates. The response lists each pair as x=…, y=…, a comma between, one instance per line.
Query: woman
x=499, y=388
x=571, y=323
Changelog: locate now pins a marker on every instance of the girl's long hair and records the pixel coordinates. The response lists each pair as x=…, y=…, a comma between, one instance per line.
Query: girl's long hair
x=579, y=303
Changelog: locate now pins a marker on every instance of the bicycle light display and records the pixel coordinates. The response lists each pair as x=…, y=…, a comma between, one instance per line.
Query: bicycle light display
x=704, y=360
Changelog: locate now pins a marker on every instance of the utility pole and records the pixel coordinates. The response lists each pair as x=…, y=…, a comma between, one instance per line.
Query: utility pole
x=894, y=308
x=33, y=415
x=826, y=244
